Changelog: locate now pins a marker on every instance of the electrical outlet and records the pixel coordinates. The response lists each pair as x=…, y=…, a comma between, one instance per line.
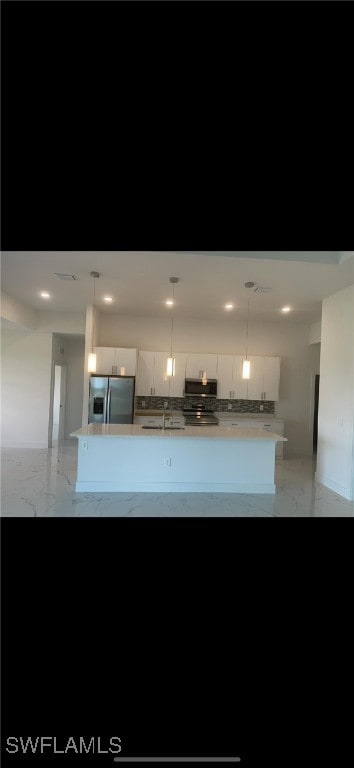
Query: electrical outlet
x=165, y=405
x=143, y=403
x=261, y=407
x=229, y=406
x=84, y=445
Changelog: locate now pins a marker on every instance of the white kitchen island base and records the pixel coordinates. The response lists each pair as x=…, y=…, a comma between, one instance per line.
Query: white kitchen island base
x=126, y=458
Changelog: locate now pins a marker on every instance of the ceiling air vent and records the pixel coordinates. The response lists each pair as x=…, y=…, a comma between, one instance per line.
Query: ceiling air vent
x=63, y=276
x=261, y=289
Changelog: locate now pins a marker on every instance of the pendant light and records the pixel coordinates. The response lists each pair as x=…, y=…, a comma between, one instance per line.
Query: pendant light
x=91, y=363
x=171, y=361
x=246, y=365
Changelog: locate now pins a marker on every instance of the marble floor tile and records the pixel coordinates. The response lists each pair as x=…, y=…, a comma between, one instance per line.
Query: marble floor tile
x=41, y=483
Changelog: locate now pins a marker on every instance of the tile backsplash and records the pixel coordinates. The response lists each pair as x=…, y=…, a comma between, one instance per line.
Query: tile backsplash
x=178, y=403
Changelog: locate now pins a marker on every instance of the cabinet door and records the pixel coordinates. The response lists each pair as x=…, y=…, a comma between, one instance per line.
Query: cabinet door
x=224, y=376
x=239, y=385
x=105, y=359
x=145, y=375
x=161, y=380
x=176, y=382
x=127, y=358
x=271, y=376
x=198, y=363
x=255, y=382
x=152, y=421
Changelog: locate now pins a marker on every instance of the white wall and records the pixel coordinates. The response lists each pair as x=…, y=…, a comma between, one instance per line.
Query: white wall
x=315, y=332
x=71, y=352
x=60, y=322
x=299, y=360
x=26, y=371
x=91, y=336
x=335, y=451
x=17, y=312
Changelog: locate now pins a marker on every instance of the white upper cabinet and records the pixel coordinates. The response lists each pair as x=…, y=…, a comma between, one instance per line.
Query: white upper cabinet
x=176, y=382
x=239, y=385
x=224, y=376
x=255, y=381
x=145, y=377
x=263, y=383
x=196, y=364
x=108, y=357
x=160, y=384
x=105, y=359
x=126, y=358
x=152, y=378
x=231, y=385
x=271, y=378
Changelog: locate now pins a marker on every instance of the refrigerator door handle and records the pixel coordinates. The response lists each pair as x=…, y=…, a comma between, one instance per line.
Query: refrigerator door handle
x=108, y=408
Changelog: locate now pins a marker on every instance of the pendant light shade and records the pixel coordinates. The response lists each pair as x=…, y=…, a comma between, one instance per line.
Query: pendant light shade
x=246, y=369
x=91, y=366
x=92, y=360
x=171, y=365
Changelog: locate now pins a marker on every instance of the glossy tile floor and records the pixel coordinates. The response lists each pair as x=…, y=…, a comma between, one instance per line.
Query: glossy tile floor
x=41, y=483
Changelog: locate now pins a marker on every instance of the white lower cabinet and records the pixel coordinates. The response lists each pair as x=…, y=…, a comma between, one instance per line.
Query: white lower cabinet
x=151, y=421
x=271, y=426
x=156, y=421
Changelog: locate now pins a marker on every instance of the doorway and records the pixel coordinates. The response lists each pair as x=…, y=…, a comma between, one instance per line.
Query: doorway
x=315, y=412
x=59, y=403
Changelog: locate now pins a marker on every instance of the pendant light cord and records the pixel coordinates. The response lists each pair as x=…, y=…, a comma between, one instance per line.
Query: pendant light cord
x=93, y=313
x=248, y=313
x=173, y=299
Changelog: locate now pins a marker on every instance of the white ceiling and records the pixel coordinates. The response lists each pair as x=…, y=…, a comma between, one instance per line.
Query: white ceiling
x=139, y=281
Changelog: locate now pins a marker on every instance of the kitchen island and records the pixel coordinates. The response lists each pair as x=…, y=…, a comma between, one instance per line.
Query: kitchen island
x=127, y=457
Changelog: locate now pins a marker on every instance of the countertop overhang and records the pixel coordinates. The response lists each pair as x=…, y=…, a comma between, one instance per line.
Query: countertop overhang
x=203, y=433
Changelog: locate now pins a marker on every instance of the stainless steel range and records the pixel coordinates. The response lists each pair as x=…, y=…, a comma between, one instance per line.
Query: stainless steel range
x=199, y=416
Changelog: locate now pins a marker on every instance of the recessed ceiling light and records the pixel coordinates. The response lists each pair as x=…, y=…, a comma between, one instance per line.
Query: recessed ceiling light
x=169, y=302
x=107, y=298
x=285, y=309
x=229, y=306
x=45, y=295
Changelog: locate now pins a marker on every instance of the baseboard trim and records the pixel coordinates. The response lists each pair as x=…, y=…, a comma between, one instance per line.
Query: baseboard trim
x=333, y=486
x=15, y=444
x=145, y=487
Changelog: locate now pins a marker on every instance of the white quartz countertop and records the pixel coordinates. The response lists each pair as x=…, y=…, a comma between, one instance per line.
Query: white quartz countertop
x=213, y=433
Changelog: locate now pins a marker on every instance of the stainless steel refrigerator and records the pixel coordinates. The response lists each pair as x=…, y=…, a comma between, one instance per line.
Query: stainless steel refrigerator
x=111, y=399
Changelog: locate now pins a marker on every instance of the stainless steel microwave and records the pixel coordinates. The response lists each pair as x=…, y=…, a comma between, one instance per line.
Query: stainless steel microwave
x=195, y=387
